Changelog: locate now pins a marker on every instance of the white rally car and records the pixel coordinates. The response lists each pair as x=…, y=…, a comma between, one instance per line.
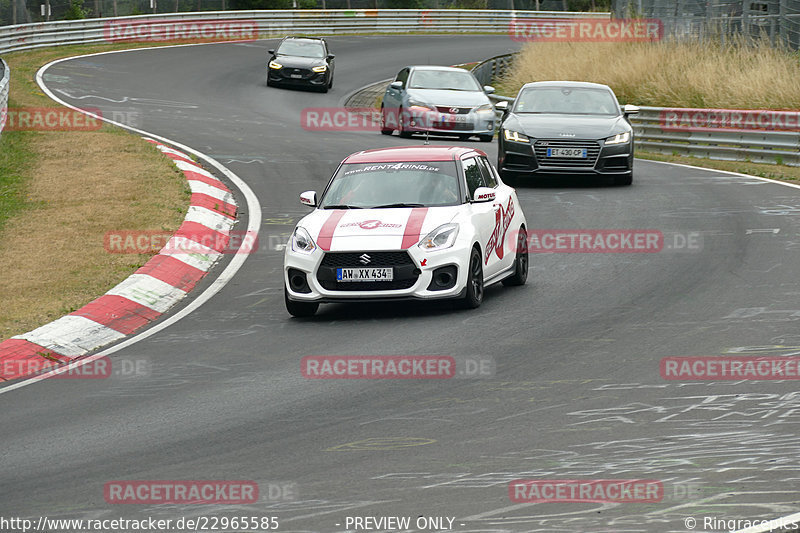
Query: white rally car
x=423, y=222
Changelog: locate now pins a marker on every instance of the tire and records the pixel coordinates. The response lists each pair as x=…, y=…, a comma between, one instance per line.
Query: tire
x=384, y=130
x=330, y=82
x=400, y=130
x=299, y=309
x=474, y=289
x=521, y=262
x=486, y=138
x=624, y=180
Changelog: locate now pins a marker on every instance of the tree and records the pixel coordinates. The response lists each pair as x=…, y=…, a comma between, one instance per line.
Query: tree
x=76, y=11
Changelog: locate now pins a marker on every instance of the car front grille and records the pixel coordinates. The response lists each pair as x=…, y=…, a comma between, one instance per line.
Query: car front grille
x=405, y=272
x=454, y=126
x=453, y=110
x=592, y=152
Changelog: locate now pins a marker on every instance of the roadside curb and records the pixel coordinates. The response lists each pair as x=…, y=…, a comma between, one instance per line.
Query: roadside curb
x=144, y=296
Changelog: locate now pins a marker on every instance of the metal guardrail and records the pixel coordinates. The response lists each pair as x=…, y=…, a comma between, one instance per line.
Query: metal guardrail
x=758, y=146
x=281, y=22
x=5, y=81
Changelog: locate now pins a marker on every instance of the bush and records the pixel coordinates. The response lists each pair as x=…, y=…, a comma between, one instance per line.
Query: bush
x=76, y=11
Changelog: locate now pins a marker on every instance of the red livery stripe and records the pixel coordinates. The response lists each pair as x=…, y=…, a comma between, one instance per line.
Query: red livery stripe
x=118, y=313
x=326, y=232
x=413, y=231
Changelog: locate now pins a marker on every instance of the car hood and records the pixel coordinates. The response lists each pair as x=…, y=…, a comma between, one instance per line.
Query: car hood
x=299, y=62
x=374, y=229
x=551, y=126
x=443, y=97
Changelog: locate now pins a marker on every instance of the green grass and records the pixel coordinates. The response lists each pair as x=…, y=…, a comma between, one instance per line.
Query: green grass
x=16, y=161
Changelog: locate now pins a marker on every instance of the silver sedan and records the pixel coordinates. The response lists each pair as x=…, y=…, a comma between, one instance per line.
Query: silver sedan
x=438, y=100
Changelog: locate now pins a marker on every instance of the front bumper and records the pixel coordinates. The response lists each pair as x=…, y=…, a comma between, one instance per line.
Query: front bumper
x=289, y=76
x=518, y=159
x=321, y=287
x=472, y=123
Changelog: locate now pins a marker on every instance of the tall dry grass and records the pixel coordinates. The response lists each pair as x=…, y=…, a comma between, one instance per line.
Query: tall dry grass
x=670, y=74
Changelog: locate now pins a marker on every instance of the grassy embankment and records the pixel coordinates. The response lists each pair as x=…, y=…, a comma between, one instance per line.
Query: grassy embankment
x=60, y=193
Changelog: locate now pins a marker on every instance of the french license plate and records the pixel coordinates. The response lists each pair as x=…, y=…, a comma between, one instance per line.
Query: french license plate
x=454, y=118
x=364, y=274
x=577, y=153
x=295, y=75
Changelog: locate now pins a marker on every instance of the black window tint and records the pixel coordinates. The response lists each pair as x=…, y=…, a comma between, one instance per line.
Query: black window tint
x=403, y=76
x=473, y=174
x=488, y=175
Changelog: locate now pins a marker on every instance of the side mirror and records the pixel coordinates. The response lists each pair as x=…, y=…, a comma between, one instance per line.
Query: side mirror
x=488, y=89
x=309, y=198
x=484, y=194
x=396, y=85
x=330, y=57
x=502, y=106
x=271, y=51
x=630, y=109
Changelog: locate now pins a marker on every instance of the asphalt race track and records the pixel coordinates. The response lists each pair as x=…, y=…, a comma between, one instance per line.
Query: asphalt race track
x=574, y=389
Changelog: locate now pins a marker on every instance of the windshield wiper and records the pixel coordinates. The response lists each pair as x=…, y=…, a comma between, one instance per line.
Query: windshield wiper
x=398, y=205
x=342, y=206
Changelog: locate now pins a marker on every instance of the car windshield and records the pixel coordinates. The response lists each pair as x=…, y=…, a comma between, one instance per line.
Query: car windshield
x=384, y=185
x=567, y=101
x=458, y=80
x=302, y=49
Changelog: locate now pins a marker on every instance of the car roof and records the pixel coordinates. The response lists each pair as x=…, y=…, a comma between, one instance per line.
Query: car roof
x=310, y=39
x=436, y=67
x=577, y=84
x=405, y=154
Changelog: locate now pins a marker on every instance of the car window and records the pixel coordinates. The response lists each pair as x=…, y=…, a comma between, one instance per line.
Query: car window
x=567, y=100
x=473, y=175
x=402, y=76
x=458, y=80
x=293, y=47
x=486, y=171
x=404, y=184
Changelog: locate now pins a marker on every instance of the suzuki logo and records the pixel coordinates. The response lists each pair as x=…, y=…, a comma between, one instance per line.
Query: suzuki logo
x=364, y=259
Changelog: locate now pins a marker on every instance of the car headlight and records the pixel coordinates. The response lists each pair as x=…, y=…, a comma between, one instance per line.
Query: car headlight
x=321, y=68
x=511, y=135
x=275, y=65
x=442, y=237
x=485, y=108
x=416, y=105
x=619, y=138
x=302, y=241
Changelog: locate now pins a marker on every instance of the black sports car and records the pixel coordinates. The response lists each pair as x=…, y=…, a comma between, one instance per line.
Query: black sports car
x=301, y=61
x=566, y=127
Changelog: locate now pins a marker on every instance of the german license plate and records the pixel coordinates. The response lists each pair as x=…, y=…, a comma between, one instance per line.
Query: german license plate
x=577, y=153
x=454, y=118
x=364, y=274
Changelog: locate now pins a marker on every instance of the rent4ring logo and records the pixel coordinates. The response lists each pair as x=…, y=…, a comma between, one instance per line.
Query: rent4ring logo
x=180, y=30
x=586, y=30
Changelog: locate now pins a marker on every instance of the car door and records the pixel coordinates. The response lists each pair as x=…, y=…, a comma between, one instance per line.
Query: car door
x=482, y=214
x=504, y=211
x=393, y=98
